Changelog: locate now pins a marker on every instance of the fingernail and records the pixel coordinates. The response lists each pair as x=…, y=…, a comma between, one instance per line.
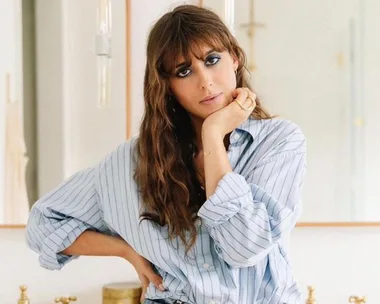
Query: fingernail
x=161, y=287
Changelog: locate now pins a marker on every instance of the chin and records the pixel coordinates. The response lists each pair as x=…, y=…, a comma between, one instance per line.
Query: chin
x=213, y=110
x=208, y=110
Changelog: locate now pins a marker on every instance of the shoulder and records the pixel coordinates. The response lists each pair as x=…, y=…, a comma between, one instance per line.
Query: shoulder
x=279, y=130
x=120, y=157
x=276, y=136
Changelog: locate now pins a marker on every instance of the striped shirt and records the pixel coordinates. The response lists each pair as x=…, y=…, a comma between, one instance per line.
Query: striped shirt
x=239, y=256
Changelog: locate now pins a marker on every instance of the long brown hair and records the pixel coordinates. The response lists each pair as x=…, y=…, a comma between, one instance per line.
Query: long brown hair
x=165, y=173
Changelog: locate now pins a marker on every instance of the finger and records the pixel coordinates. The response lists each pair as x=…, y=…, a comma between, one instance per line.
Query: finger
x=252, y=105
x=144, y=279
x=250, y=93
x=144, y=282
x=250, y=102
x=240, y=100
x=236, y=92
x=142, y=298
x=156, y=280
x=242, y=96
x=247, y=90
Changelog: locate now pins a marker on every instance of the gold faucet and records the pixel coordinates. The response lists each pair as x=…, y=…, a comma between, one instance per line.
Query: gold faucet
x=23, y=297
x=65, y=300
x=311, y=298
x=357, y=300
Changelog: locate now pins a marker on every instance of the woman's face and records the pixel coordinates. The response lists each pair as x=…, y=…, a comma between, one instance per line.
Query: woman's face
x=206, y=85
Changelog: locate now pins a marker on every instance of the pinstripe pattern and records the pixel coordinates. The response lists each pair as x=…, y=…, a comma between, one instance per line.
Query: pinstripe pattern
x=240, y=254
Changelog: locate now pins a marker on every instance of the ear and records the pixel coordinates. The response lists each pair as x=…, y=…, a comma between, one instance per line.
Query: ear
x=235, y=62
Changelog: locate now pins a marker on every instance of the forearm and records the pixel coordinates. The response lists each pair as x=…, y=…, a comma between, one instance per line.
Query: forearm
x=91, y=243
x=216, y=163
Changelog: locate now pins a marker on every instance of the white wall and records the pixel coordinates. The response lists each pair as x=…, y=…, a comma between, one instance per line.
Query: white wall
x=49, y=91
x=372, y=110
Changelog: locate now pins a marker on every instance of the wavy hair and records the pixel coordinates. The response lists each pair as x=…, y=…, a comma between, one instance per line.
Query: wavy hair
x=166, y=175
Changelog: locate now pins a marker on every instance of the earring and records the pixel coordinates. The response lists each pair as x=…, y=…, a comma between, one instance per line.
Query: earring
x=235, y=72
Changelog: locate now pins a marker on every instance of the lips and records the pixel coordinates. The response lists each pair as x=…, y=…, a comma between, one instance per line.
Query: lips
x=210, y=98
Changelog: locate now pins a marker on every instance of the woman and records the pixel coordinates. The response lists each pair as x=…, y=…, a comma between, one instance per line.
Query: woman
x=201, y=201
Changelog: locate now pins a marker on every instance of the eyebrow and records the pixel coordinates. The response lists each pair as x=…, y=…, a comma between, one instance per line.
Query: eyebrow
x=184, y=63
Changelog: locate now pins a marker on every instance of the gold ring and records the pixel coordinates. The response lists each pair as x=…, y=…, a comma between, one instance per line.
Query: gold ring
x=252, y=102
x=242, y=107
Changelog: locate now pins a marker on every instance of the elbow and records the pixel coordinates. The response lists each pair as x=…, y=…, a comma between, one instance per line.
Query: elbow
x=40, y=238
x=33, y=241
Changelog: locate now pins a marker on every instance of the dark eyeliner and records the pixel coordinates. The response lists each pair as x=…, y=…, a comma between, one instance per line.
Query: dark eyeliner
x=212, y=57
x=181, y=71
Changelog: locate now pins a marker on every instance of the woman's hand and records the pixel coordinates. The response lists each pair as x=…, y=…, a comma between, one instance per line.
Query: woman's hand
x=230, y=117
x=144, y=270
x=146, y=275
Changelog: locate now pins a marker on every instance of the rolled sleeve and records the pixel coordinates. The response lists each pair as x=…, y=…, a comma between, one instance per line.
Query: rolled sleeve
x=59, y=217
x=232, y=193
x=246, y=216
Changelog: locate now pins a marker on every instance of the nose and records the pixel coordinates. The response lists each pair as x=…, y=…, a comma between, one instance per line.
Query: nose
x=205, y=79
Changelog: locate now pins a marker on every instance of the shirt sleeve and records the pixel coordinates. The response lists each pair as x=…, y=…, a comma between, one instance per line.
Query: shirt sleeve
x=60, y=216
x=246, y=216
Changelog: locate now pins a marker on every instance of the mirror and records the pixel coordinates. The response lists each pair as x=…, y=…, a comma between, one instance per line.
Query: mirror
x=316, y=63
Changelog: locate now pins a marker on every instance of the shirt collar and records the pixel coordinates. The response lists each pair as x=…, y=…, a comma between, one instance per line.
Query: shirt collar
x=251, y=126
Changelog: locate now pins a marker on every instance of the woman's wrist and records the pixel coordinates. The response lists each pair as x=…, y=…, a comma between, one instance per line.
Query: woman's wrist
x=211, y=131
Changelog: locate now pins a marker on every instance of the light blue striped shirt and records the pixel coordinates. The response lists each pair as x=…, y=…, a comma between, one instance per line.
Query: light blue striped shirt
x=240, y=254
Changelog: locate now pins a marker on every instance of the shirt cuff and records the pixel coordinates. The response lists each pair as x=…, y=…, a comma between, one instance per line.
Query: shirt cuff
x=231, y=195
x=60, y=239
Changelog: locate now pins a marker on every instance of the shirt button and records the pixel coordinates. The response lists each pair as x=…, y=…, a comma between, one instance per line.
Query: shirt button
x=236, y=136
x=206, y=266
x=212, y=302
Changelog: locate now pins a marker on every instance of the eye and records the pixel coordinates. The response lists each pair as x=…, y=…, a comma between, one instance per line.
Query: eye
x=212, y=59
x=183, y=73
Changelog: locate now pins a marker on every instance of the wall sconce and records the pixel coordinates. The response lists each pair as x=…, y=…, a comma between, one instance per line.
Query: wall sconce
x=103, y=52
x=229, y=15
